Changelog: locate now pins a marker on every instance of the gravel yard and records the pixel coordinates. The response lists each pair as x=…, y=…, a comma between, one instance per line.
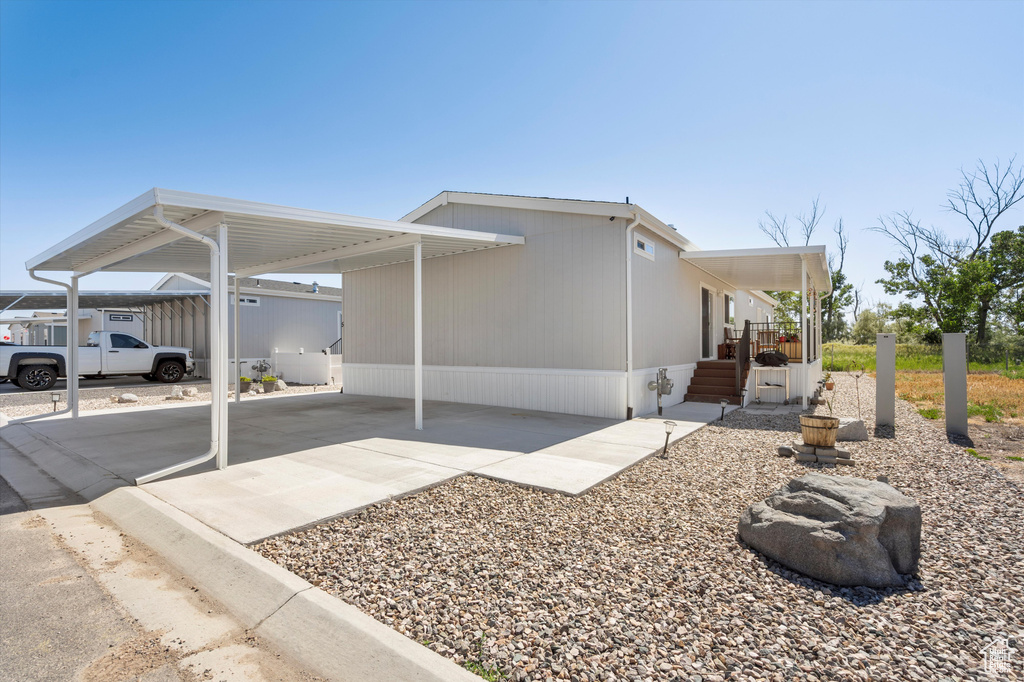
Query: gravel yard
x=25, y=403
x=644, y=578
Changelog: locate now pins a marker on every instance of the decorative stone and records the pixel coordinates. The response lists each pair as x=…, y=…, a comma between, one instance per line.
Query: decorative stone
x=191, y=392
x=800, y=447
x=851, y=429
x=838, y=529
x=805, y=457
x=281, y=385
x=128, y=398
x=825, y=452
x=787, y=451
x=845, y=461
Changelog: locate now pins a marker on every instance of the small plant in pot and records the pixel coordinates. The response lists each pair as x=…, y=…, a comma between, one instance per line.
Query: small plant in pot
x=244, y=384
x=829, y=383
x=269, y=383
x=819, y=430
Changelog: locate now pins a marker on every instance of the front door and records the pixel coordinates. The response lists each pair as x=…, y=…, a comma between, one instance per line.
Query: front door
x=706, y=321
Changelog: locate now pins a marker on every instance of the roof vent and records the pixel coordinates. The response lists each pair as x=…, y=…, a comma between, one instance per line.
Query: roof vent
x=316, y=287
x=672, y=226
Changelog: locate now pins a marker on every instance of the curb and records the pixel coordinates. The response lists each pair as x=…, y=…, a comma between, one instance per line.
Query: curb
x=320, y=632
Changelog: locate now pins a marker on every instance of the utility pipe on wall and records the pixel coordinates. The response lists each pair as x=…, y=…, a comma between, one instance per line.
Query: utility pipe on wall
x=218, y=383
x=629, y=313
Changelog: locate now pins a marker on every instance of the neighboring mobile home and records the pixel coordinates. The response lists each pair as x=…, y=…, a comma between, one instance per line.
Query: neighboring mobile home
x=578, y=319
x=278, y=319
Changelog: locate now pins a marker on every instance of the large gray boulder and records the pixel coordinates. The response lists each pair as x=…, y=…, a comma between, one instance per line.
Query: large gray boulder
x=838, y=529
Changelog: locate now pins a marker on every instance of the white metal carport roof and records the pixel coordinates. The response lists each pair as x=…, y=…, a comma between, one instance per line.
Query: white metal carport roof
x=775, y=269
x=168, y=231
x=33, y=300
x=262, y=238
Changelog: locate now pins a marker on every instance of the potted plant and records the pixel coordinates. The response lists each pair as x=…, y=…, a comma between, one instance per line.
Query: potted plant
x=244, y=384
x=269, y=383
x=819, y=430
x=829, y=383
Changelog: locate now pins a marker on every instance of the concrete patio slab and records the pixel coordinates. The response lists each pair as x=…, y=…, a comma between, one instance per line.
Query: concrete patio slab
x=298, y=460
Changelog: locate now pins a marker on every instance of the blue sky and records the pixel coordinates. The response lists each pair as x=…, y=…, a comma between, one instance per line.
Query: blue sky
x=706, y=114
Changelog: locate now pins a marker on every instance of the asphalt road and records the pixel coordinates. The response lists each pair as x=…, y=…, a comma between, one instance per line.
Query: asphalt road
x=55, y=618
x=115, y=382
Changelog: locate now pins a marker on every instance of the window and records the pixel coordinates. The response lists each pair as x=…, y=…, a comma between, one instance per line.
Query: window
x=121, y=318
x=644, y=248
x=730, y=310
x=246, y=300
x=125, y=341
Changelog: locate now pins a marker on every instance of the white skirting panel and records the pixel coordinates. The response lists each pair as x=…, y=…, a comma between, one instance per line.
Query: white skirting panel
x=593, y=393
x=645, y=401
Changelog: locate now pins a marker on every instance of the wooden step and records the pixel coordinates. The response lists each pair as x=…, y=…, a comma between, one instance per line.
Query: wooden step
x=712, y=390
x=721, y=373
x=700, y=398
x=713, y=381
x=716, y=364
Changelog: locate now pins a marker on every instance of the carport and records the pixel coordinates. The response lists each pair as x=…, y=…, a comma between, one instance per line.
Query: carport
x=170, y=231
x=178, y=316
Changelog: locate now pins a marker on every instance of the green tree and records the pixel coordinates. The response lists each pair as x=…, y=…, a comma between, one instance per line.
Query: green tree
x=956, y=285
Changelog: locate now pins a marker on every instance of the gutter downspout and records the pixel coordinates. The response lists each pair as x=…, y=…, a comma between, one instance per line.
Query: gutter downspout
x=215, y=408
x=629, y=313
x=70, y=364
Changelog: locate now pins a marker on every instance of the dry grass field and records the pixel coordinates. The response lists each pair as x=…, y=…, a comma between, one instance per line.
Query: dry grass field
x=989, y=394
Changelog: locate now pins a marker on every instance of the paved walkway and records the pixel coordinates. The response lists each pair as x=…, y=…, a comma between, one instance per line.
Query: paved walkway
x=302, y=459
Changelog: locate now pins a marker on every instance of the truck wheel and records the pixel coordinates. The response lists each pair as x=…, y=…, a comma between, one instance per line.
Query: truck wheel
x=37, y=377
x=169, y=372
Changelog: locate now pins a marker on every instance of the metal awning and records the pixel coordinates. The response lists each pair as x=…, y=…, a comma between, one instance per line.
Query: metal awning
x=773, y=269
x=262, y=238
x=168, y=231
x=58, y=300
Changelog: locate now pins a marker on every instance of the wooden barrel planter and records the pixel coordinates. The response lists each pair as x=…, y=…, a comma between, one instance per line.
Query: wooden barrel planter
x=819, y=431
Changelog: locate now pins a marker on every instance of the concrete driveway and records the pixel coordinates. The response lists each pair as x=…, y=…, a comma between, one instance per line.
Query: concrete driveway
x=297, y=460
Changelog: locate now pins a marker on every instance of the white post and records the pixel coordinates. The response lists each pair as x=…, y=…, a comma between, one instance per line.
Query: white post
x=417, y=277
x=817, y=331
x=222, y=323
x=213, y=351
x=885, y=380
x=238, y=361
x=954, y=382
x=803, y=333
x=72, y=360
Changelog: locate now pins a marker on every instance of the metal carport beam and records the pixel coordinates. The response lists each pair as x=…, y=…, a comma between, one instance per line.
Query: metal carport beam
x=197, y=224
x=333, y=254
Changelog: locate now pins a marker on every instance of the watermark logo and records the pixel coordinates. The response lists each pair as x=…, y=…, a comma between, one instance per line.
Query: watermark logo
x=998, y=656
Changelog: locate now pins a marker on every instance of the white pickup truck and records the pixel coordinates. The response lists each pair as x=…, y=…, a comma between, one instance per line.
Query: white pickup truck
x=105, y=354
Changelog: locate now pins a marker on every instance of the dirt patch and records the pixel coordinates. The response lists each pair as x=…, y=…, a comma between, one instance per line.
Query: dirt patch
x=135, y=658
x=1001, y=443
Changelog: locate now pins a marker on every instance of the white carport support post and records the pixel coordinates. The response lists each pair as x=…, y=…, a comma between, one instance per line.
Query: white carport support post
x=219, y=394
x=73, y=347
x=803, y=332
x=70, y=367
x=238, y=360
x=417, y=277
x=218, y=397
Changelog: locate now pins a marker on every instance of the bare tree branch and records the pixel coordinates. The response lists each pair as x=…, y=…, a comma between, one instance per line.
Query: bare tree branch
x=809, y=223
x=983, y=196
x=777, y=230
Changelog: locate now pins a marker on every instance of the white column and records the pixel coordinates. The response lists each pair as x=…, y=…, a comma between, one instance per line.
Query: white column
x=803, y=333
x=954, y=382
x=817, y=331
x=72, y=359
x=885, y=380
x=417, y=277
x=221, y=395
x=213, y=351
x=238, y=360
